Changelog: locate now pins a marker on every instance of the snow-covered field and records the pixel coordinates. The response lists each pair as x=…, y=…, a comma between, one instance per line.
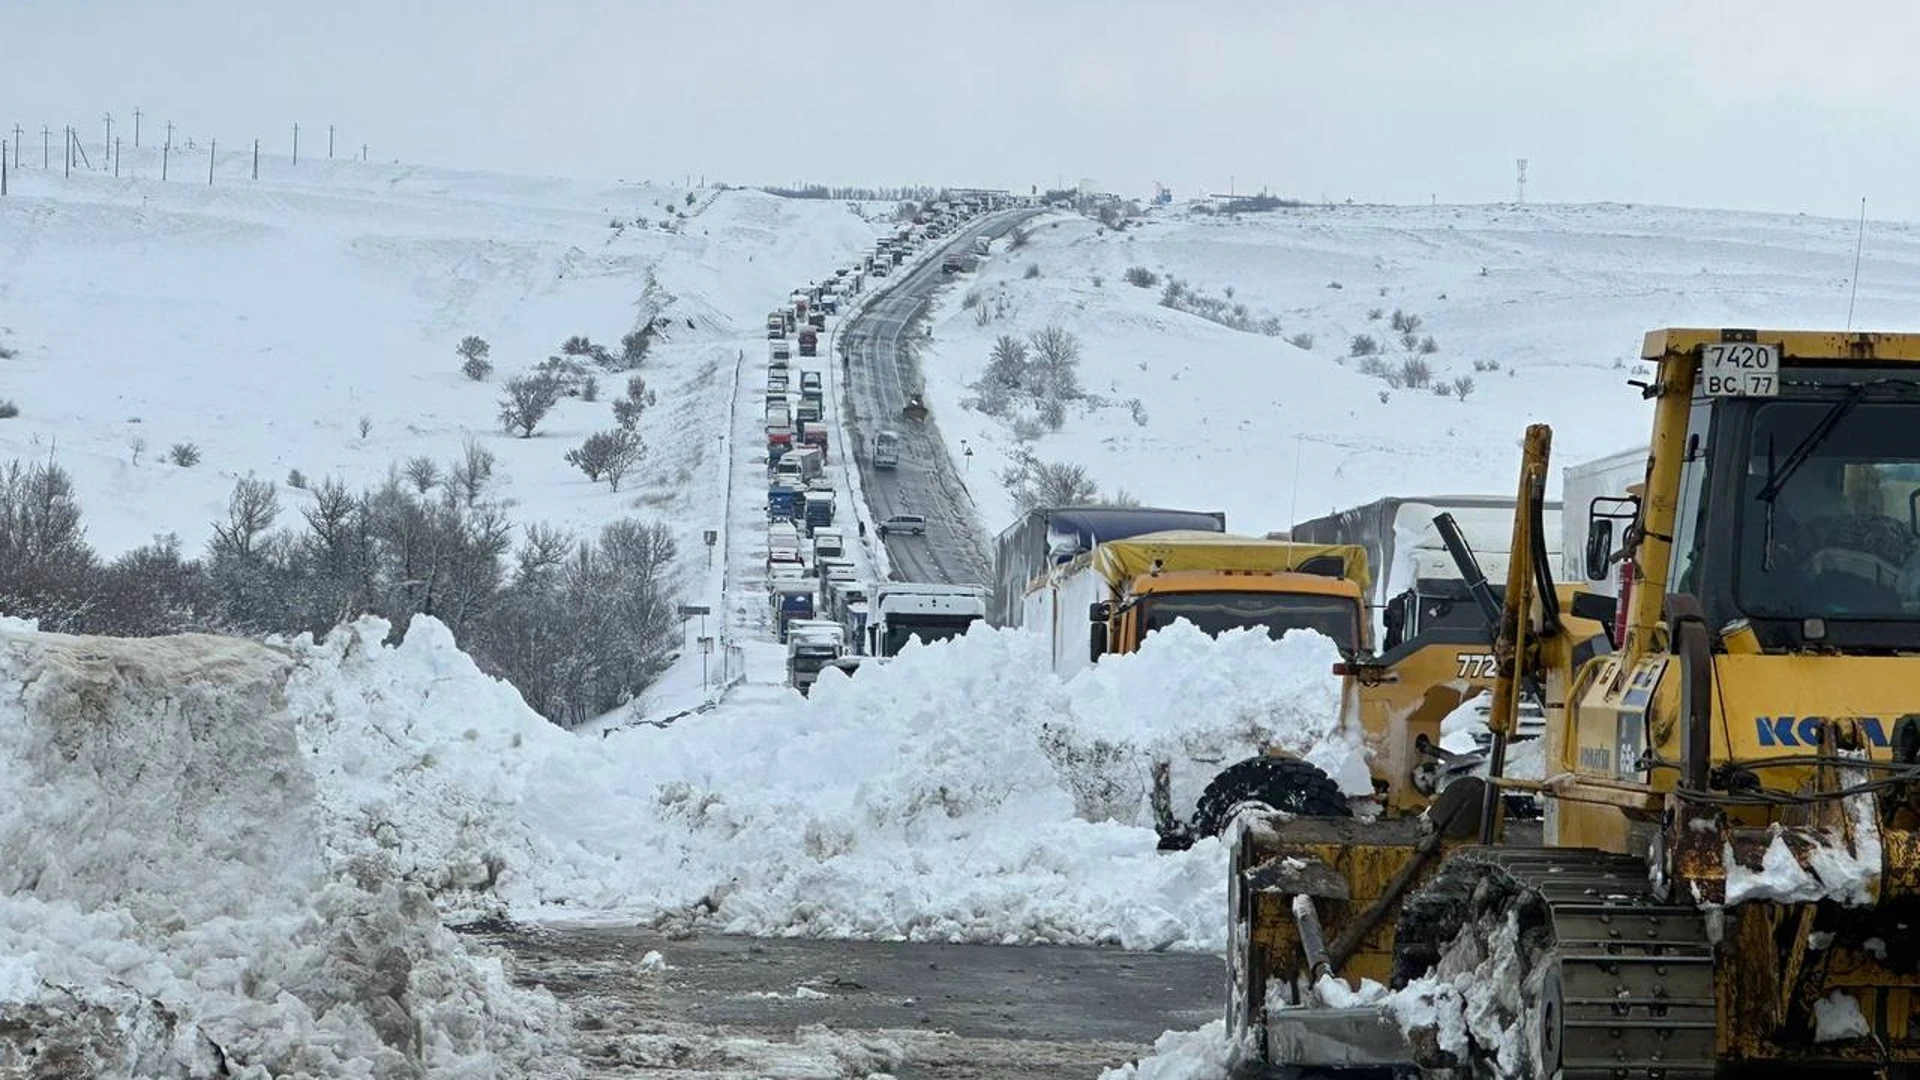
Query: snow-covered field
x=1558, y=296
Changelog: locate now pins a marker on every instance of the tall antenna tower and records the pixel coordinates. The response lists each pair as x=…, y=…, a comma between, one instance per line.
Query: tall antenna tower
x=1520, y=181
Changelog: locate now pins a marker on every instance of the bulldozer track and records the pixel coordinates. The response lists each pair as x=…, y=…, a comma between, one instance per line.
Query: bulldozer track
x=1626, y=981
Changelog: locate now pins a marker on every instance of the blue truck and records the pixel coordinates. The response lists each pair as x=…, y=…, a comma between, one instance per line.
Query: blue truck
x=783, y=503
x=791, y=600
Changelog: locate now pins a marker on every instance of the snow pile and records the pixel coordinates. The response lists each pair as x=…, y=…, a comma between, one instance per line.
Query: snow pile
x=1835, y=869
x=918, y=799
x=1837, y=1017
x=1232, y=697
x=1206, y=1054
x=169, y=906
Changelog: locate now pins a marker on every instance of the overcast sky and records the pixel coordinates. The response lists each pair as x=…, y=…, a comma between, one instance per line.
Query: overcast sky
x=1760, y=104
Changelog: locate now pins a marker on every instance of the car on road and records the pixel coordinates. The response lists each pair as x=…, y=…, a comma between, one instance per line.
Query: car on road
x=911, y=524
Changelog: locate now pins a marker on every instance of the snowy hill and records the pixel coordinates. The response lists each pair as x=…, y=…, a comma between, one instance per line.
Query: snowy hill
x=262, y=321
x=1238, y=420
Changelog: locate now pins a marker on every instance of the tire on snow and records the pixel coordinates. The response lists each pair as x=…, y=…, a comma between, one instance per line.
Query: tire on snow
x=1283, y=783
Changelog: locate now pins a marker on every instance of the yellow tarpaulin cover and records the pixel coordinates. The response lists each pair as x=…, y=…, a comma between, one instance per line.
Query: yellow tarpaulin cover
x=1184, y=549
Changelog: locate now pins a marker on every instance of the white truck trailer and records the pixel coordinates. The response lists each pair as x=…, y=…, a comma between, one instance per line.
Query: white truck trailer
x=899, y=611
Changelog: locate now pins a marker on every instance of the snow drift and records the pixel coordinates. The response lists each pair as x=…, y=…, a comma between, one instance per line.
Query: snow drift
x=170, y=903
x=934, y=797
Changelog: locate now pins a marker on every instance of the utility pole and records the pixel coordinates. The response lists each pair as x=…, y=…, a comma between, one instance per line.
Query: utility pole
x=329, y=142
x=69, y=172
x=256, y=159
x=296, y=143
x=16, y=147
x=116, y=158
x=166, y=151
x=136, y=127
x=46, y=147
x=3, y=181
x=211, y=145
x=363, y=151
x=109, y=140
x=169, y=133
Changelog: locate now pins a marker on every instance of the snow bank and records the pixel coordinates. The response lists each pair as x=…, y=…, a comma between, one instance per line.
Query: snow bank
x=170, y=904
x=1206, y=1054
x=927, y=798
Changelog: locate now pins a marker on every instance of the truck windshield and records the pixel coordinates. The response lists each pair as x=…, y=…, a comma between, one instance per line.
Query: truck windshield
x=1839, y=538
x=928, y=628
x=1216, y=612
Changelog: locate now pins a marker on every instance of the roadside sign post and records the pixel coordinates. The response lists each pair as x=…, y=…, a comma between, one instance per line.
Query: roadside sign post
x=706, y=650
x=712, y=538
x=688, y=611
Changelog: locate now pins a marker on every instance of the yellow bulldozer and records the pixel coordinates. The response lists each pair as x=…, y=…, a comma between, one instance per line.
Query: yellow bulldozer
x=1726, y=877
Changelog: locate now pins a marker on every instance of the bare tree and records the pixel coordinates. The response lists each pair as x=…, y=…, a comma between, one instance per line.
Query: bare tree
x=423, y=473
x=45, y=563
x=468, y=476
x=251, y=511
x=528, y=401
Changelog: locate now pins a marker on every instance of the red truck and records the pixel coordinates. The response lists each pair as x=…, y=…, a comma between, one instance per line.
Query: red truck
x=809, y=342
x=813, y=434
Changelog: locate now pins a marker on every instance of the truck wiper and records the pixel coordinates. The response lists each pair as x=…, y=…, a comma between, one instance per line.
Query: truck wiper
x=1777, y=477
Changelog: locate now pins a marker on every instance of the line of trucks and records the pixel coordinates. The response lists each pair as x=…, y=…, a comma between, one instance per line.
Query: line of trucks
x=823, y=612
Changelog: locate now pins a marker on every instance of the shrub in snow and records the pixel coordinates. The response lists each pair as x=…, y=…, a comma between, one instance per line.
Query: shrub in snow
x=1301, y=341
x=184, y=454
x=1415, y=373
x=1428, y=345
x=1404, y=322
x=296, y=480
x=1442, y=389
x=590, y=389
x=8, y=409
x=1363, y=345
x=473, y=357
x=1375, y=314
x=607, y=454
x=1462, y=386
x=1033, y=271
x=1139, y=410
x=1141, y=277
x=1019, y=238
x=528, y=400
x=366, y=425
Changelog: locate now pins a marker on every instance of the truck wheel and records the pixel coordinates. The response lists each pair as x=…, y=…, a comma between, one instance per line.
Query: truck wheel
x=1283, y=783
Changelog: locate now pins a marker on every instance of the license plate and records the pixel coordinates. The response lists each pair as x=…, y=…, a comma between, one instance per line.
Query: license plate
x=1740, y=369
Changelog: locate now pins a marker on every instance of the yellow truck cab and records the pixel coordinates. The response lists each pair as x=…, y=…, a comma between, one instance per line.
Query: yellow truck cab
x=1219, y=582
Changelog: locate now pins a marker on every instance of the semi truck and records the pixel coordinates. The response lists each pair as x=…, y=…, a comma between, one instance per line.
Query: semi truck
x=783, y=502
x=900, y=611
x=886, y=450
x=1109, y=599
x=814, y=434
x=809, y=341
x=1415, y=582
x=818, y=508
x=798, y=466
x=791, y=600
x=812, y=644
x=1049, y=537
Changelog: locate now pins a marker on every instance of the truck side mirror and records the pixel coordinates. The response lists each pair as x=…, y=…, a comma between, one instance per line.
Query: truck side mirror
x=1599, y=547
x=1602, y=512
x=1099, y=611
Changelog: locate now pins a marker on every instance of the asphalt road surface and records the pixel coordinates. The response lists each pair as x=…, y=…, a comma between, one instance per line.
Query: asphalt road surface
x=878, y=372
x=737, y=1007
